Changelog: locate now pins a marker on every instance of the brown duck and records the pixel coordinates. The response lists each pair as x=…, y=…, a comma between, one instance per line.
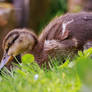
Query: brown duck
x=62, y=37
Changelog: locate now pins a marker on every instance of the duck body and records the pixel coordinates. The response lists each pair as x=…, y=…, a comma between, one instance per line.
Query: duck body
x=67, y=34
x=62, y=37
x=69, y=26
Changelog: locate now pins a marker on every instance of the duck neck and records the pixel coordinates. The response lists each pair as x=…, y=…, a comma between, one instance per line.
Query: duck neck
x=37, y=52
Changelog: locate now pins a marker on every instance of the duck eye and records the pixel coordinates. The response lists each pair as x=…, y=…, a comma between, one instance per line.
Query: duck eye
x=9, y=44
x=7, y=49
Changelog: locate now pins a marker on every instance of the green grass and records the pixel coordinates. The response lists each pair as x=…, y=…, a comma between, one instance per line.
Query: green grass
x=68, y=77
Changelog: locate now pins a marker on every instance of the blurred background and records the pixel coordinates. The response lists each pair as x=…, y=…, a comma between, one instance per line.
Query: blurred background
x=36, y=14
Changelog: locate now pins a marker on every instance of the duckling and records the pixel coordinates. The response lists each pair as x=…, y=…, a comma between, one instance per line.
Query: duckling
x=21, y=41
x=62, y=37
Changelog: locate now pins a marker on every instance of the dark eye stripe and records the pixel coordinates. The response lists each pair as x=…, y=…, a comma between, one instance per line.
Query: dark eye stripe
x=8, y=36
x=12, y=33
x=12, y=42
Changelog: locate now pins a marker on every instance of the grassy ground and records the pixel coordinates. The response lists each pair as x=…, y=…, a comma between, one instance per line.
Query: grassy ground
x=68, y=77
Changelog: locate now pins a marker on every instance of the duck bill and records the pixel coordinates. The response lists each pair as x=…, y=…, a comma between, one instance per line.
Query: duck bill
x=5, y=60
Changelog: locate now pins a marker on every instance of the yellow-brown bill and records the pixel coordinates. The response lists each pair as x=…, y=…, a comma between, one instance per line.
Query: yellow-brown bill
x=5, y=60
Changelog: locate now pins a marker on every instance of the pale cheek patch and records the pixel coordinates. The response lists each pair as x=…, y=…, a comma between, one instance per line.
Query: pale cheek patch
x=64, y=25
